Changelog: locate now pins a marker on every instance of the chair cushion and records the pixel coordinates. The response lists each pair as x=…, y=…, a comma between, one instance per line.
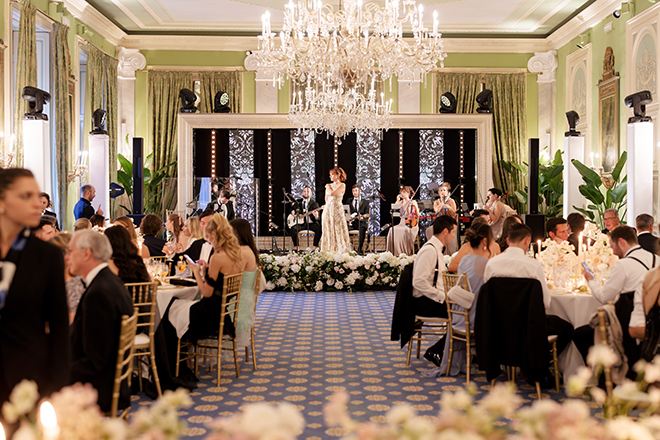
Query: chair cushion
x=141, y=339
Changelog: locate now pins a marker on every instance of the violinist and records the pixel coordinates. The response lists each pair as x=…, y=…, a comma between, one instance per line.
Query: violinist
x=401, y=238
x=444, y=205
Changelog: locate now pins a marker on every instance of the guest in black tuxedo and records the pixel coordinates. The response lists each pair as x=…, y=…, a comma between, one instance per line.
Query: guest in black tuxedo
x=310, y=222
x=151, y=228
x=576, y=224
x=32, y=293
x=359, y=210
x=223, y=206
x=645, y=237
x=95, y=329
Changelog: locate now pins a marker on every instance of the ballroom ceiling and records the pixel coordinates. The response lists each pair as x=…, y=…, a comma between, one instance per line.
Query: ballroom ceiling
x=459, y=18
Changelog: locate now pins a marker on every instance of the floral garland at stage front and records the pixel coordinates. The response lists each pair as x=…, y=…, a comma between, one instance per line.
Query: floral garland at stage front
x=332, y=272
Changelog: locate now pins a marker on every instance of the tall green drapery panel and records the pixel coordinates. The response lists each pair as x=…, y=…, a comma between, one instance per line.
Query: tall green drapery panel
x=509, y=117
x=26, y=71
x=163, y=95
x=214, y=82
x=111, y=88
x=62, y=113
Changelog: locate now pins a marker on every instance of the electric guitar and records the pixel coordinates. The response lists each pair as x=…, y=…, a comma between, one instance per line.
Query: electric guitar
x=293, y=220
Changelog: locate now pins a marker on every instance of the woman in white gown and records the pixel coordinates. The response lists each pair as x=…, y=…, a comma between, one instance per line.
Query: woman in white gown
x=401, y=238
x=335, y=236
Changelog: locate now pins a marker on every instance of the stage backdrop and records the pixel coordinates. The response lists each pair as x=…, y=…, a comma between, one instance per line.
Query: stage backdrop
x=302, y=158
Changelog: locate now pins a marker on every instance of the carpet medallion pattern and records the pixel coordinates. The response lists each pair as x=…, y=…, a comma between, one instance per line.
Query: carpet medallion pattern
x=313, y=344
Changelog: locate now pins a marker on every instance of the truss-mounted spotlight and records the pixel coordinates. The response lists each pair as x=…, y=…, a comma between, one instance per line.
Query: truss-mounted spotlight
x=485, y=101
x=221, y=103
x=188, y=99
x=36, y=99
x=573, y=118
x=98, y=121
x=447, y=103
x=638, y=101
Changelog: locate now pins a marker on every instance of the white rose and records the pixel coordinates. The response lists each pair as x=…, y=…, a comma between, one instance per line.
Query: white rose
x=601, y=355
x=281, y=282
x=270, y=285
x=295, y=268
x=318, y=286
x=339, y=285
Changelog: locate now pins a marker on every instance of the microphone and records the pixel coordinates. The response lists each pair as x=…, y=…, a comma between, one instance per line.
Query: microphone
x=380, y=194
x=385, y=228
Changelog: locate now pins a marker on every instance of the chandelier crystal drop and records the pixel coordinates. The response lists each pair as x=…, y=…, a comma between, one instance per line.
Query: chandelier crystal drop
x=338, y=61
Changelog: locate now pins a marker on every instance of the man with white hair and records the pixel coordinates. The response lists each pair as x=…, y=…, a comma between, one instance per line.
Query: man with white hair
x=95, y=329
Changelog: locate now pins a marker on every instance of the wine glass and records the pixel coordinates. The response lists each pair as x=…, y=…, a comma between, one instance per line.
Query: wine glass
x=181, y=266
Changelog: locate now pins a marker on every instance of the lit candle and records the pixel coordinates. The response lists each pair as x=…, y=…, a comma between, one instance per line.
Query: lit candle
x=2, y=432
x=580, y=239
x=359, y=8
x=420, y=9
x=538, y=248
x=263, y=32
x=49, y=421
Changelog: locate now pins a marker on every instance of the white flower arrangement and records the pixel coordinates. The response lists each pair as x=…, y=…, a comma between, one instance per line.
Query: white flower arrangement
x=333, y=271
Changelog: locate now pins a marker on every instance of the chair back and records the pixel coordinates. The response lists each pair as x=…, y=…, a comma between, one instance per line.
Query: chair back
x=450, y=280
x=231, y=295
x=510, y=327
x=144, y=301
x=603, y=329
x=124, y=366
x=257, y=285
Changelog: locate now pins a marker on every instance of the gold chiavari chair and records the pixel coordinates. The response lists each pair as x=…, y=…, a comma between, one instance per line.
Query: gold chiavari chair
x=466, y=336
x=231, y=294
x=427, y=328
x=124, y=366
x=257, y=283
x=144, y=299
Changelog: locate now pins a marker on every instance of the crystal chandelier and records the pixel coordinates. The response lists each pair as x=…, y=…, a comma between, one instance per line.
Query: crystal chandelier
x=338, y=61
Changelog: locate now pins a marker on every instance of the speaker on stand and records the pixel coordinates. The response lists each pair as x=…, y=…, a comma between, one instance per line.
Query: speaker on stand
x=533, y=219
x=138, y=181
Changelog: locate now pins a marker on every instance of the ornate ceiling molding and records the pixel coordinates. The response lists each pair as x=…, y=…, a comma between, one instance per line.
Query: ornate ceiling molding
x=130, y=60
x=84, y=12
x=545, y=64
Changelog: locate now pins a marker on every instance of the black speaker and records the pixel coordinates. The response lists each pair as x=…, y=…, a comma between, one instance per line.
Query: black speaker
x=533, y=178
x=138, y=175
x=536, y=222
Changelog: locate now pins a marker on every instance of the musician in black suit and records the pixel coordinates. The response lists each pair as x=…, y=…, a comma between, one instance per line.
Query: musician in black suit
x=359, y=210
x=32, y=293
x=96, y=327
x=645, y=237
x=223, y=206
x=309, y=220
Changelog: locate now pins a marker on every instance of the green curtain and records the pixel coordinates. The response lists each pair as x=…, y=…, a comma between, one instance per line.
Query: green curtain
x=214, y=82
x=26, y=71
x=102, y=92
x=163, y=95
x=62, y=112
x=509, y=117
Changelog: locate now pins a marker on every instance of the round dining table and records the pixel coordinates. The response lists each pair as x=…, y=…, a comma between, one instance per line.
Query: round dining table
x=576, y=308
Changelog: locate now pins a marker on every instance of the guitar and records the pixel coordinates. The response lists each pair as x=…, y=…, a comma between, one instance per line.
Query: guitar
x=293, y=220
x=355, y=215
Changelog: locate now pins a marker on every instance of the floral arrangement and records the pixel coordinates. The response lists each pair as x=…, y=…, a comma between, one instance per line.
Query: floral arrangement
x=559, y=263
x=599, y=256
x=330, y=271
x=78, y=417
x=260, y=421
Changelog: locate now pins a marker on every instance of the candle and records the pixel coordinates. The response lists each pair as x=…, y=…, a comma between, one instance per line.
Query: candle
x=538, y=248
x=2, y=432
x=579, y=249
x=49, y=421
x=421, y=9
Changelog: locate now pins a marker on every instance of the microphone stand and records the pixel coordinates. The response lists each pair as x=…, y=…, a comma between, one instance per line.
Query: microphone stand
x=286, y=201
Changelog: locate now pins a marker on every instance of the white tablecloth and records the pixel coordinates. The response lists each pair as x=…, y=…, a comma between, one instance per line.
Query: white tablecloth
x=179, y=315
x=577, y=309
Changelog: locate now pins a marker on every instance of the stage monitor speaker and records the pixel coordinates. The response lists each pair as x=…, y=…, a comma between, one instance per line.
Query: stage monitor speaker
x=537, y=224
x=138, y=175
x=533, y=178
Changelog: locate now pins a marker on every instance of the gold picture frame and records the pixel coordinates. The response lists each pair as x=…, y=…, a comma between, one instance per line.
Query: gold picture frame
x=608, y=113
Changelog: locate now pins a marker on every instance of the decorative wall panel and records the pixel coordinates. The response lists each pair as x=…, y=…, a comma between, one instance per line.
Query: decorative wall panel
x=367, y=173
x=241, y=170
x=431, y=160
x=578, y=92
x=303, y=162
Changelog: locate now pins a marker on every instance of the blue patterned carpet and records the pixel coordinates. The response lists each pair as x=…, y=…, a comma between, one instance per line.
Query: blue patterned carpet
x=310, y=345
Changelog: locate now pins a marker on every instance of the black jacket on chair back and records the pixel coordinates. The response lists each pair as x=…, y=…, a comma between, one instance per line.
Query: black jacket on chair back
x=403, y=314
x=510, y=327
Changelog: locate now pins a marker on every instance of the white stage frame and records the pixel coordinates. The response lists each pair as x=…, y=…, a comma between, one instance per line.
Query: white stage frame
x=482, y=123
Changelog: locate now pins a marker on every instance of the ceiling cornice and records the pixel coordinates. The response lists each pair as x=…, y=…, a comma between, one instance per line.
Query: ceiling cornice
x=586, y=19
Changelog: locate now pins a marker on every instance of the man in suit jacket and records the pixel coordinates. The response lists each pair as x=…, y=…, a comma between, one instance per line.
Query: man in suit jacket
x=95, y=329
x=223, y=206
x=32, y=277
x=645, y=237
x=303, y=206
x=84, y=208
x=359, y=209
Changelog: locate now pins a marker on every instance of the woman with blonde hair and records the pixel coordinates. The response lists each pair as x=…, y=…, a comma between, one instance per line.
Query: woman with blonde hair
x=190, y=233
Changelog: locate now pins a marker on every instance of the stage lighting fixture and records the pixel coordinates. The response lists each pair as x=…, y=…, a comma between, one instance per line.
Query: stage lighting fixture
x=638, y=101
x=36, y=99
x=573, y=118
x=221, y=102
x=447, y=103
x=485, y=101
x=188, y=99
x=98, y=121
x=116, y=190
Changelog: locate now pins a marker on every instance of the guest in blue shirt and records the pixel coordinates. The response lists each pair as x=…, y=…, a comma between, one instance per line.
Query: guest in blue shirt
x=84, y=208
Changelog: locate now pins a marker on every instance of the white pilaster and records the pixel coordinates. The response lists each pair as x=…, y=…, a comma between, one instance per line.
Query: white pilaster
x=37, y=154
x=99, y=170
x=573, y=149
x=130, y=60
x=266, y=90
x=640, y=170
x=409, y=95
x=545, y=64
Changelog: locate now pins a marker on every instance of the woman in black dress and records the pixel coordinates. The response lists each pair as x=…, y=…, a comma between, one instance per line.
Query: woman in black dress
x=34, y=321
x=125, y=261
x=151, y=227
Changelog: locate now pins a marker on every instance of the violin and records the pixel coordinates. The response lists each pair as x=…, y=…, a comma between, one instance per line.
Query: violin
x=413, y=216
